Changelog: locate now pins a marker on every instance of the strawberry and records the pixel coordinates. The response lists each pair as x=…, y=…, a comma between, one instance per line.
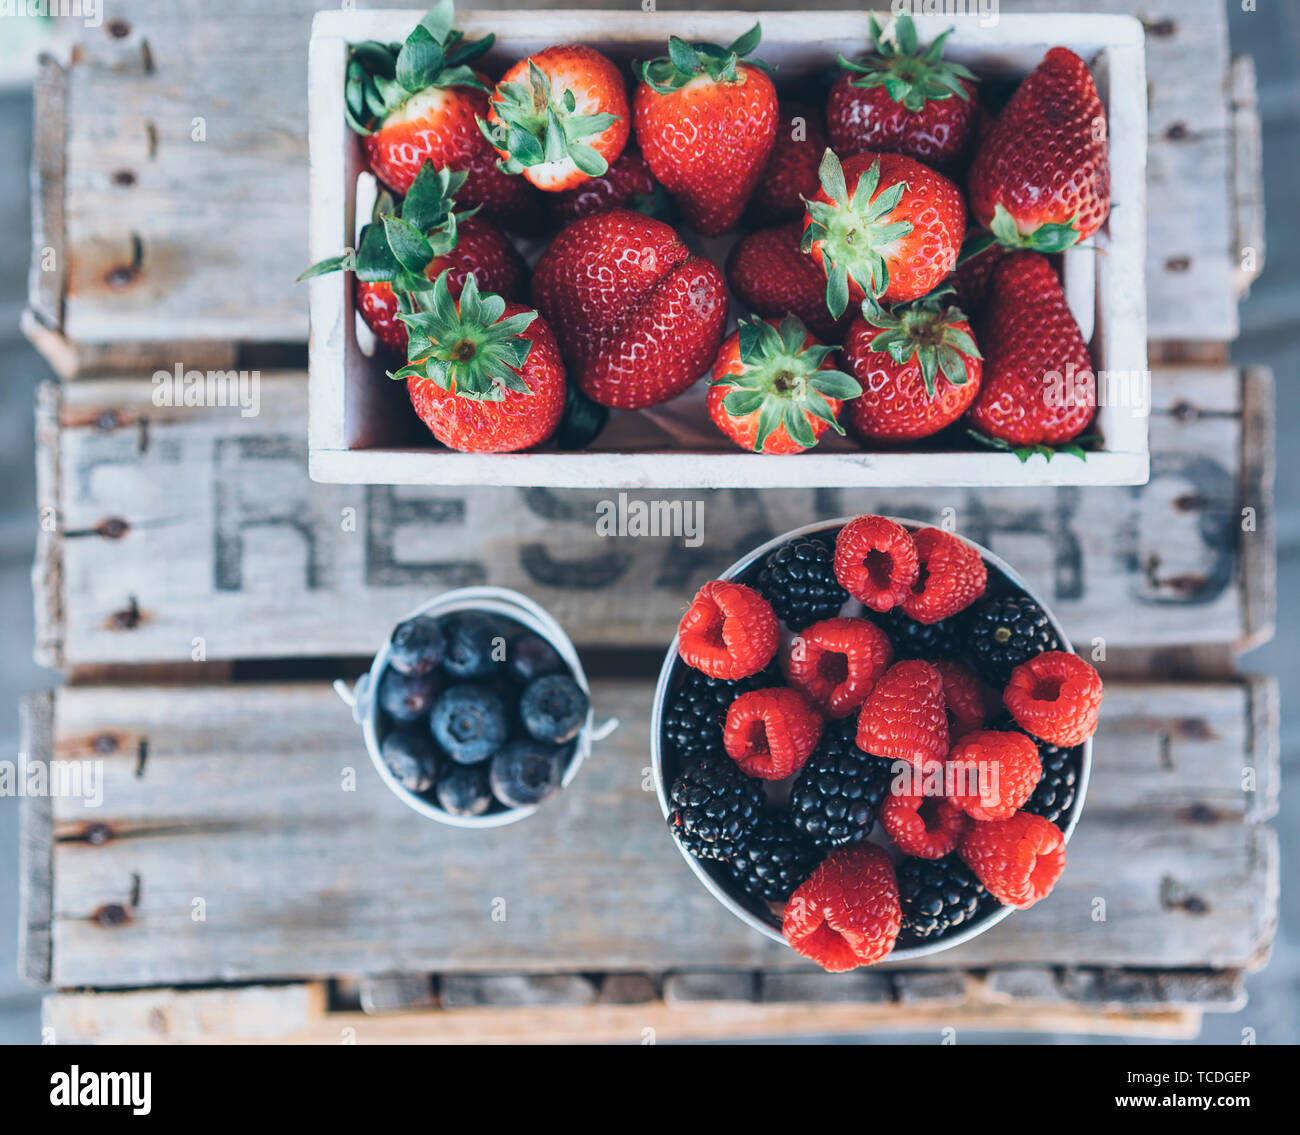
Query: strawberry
x=774, y=389
x=772, y=275
x=1041, y=178
x=485, y=375
x=401, y=250
x=903, y=100
x=882, y=225
x=770, y=733
x=918, y=365
x=639, y=318
x=419, y=102
x=559, y=117
x=1038, y=388
x=706, y=122
x=627, y=184
x=790, y=174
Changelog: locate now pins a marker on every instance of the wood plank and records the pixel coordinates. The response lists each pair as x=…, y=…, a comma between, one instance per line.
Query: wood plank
x=236, y=796
x=170, y=238
x=35, y=848
x=163, y=1017
x=180, y=528
x=47, y=272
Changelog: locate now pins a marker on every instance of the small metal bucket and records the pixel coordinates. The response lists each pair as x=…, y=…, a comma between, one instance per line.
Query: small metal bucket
x=492, y=601
x=754, y=912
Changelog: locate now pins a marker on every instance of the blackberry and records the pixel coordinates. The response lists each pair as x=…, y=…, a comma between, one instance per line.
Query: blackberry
x=713, y=805
x=798, y=579
x=692, y=727
x=1006, y=632
x=772, y=859
x=937, y=895
x=929, y=641
x=839, y=790
x=1054, y=795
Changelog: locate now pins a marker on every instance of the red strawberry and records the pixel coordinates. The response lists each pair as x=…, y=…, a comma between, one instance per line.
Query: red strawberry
x=1041, y=179
x=951, y=577
x=919, y=367
x=876, y=561
x=903, y=100
x=771, y=733
x=706, y=123
x=422, y=104
x=485, y=375
x=837, y=662
x=963, y=697
x=1038, y=387
x=559, y=117
x=639, y=318
x=928, y=827
x=627, y=184
x=431, y=239
x=1017, y=859
x=1056, y=696
x=774, y=389
x=847, y=913
x=790, y=174
x=993, y=774
x=729, y=631
x=773, y=276
x=882, y=225
x=903, y=717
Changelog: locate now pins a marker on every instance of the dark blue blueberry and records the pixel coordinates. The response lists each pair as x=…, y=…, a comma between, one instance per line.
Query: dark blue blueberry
x=417, y=645
x=406, y=697
x=553, y=708
x=470, y=722
x=411, y=757
x=530, y=656
x=528, y=772
x=475, y=645
x=463, y=790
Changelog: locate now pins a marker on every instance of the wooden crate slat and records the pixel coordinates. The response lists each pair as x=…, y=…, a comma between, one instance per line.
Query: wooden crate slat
x=205, y=241
x=237, y=806
x=195, y=533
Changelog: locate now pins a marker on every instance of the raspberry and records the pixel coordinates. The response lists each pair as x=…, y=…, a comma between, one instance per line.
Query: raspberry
x=772, y=859
x=1006, y=632
x=837, y=661
x=692, y=724
x=1054, y=796
x=1017, y=859
x=903, y=718
x=944, y=639
x=963, y=697
x=992, y=773
x=937, y=895
x=928, y=827
x=713, y=805
x=876, y=561
x=847, y=914
x=838, y=791
x=1055, y=697
x=770, y=733
x=729, y=631
x=798, y=579
x=950, y=578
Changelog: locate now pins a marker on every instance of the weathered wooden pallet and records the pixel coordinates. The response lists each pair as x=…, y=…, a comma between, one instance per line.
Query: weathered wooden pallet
x=242, y=837
x=167, y=216
x=180, y=534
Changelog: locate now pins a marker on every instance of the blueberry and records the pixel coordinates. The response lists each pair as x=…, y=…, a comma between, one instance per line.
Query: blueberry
x=417, y=645
x=530, y=656
x=406, y=697
x=553, y=708
x=411, y=757
x=472, y=641
x=463, y=790
x=528, y=772
x=470, y=722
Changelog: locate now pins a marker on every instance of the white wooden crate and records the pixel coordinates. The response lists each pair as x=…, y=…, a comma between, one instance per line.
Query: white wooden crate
x=360, y=420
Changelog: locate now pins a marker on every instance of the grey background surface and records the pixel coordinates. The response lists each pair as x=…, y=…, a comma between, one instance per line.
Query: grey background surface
x=1270, y=335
